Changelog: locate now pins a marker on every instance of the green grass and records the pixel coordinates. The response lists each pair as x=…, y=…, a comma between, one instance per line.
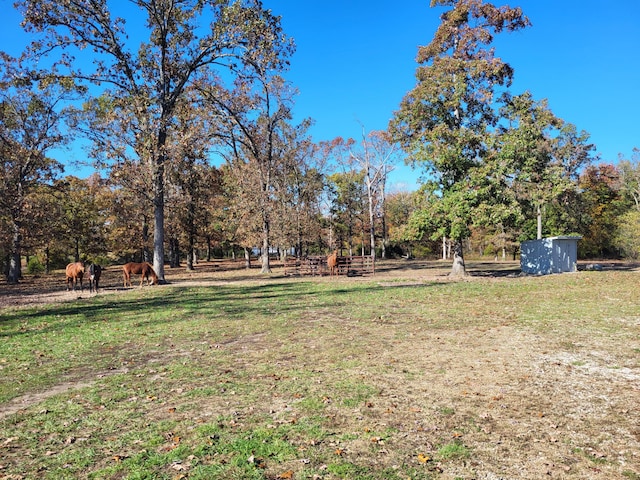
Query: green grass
x=253, y=380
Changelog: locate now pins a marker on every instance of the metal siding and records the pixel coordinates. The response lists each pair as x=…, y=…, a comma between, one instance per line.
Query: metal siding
x=549, y=255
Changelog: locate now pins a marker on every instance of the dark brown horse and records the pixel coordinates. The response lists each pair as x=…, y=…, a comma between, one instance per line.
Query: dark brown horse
x=75, y=272
x=94, y=271
x=144, y=269
x=332, y=263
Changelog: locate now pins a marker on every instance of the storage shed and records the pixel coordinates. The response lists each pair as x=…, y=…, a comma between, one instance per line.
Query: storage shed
x=549, y=255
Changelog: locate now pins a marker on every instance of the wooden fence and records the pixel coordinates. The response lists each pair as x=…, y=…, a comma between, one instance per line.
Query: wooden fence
x=350, y=265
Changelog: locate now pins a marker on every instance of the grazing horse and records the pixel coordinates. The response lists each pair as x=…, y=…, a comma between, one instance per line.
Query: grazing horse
x=95, y=271
x=75, y=272
x=144, y=269
x=332, y=263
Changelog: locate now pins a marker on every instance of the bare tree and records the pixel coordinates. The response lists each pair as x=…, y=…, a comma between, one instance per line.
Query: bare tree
x=377, y=157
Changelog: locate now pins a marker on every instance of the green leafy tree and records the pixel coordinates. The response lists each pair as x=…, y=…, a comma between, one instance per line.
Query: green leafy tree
x=538, y=161
x=627, y=238
x=630, y=176
x=446, y=121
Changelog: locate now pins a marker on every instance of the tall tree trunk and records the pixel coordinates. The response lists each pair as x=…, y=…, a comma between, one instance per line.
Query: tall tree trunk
x=372, y=226
x=158, y=210
x=372, y=230
x=174, y=252
x=539, y=221
x=458, y=268
x=15, y=268
x=247, y=258
x=385, y=236
x=191, y=253
x=266, y=267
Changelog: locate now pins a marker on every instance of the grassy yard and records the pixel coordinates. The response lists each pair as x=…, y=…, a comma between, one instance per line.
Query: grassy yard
x=403, y=376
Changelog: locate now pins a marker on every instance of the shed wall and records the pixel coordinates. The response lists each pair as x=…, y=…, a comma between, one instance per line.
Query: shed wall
x=549, y=255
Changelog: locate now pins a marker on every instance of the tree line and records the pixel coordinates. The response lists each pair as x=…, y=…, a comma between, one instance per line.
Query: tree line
x=189, y=125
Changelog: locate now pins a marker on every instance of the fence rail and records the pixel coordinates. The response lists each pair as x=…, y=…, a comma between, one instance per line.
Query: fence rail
x=317, y=265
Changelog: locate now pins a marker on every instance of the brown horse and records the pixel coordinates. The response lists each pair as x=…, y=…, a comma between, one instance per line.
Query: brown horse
x=95, y=271
x=144, y=269
x=332, y=263
x=75, y=272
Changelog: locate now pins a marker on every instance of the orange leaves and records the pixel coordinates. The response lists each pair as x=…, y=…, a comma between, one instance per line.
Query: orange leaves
x=422, y=458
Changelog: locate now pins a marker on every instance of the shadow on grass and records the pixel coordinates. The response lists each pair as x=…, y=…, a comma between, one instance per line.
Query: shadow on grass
x=181, y=303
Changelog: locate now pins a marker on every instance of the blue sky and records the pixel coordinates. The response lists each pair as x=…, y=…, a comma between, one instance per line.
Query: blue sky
x=355, y=60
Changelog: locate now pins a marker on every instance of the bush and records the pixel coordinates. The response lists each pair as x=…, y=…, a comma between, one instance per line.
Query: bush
x=35, y=266
x=627, y=238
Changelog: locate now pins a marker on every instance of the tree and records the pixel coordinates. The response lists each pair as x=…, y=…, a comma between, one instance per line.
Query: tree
x=400, y=207
x=539, y=158
x=630, y=176
x=254, y=121
x=31, y=124
x=300, y=189
x=348, y=208
x=192, y=180
x=446, y=121
x=147, y=84
x=627, y=238
x=601, y=205
x=376, y=158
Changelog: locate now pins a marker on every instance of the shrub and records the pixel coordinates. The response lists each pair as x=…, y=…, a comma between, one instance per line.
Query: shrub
x=35, y=266
x=627, y=238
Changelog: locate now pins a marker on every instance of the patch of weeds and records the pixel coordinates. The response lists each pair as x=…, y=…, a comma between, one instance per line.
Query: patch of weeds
x=591, y=455
x=356, y=472
x=352, y=393
x=631, y=475
x=453, y=451
x=348, y=470
x=448, y=411
x=312, y=405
